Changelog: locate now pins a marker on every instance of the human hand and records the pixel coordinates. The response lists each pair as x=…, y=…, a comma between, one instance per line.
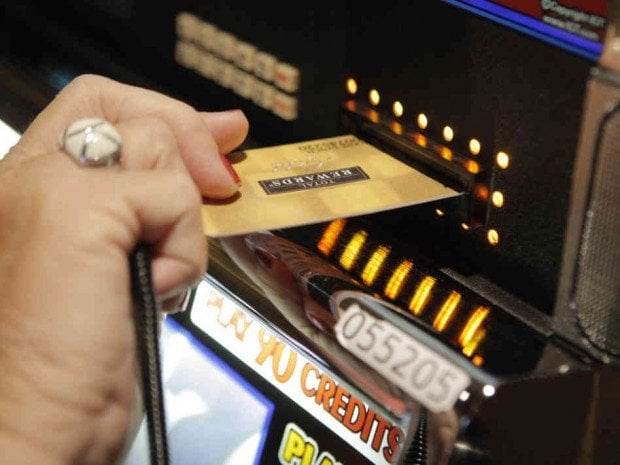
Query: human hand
x=66, y=330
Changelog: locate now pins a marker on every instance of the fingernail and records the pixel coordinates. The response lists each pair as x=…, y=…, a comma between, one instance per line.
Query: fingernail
x=230, y=169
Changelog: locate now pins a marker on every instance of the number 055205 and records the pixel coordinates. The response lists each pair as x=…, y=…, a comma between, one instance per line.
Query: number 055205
x=426, y=376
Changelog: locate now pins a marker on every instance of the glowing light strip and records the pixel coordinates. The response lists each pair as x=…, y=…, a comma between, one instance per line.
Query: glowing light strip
x=472, y=325
x=422, y=295
x=349, y=256
x=330, y=236
x=397, y=280
x=374, y=265
x=473, y=344
x=446, y=313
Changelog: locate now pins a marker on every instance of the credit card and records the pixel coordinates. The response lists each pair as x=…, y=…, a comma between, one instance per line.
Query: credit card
x=316, y=181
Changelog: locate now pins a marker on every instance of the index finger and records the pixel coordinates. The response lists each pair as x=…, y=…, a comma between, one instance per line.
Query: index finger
x=98, y=96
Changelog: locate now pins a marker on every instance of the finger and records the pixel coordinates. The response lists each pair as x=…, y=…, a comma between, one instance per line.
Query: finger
x=109, y=211
x=229, y=128
x=149, y=143
x=165, y=208
x=97, y=96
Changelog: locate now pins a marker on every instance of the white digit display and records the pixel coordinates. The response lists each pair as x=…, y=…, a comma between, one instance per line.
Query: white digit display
x=428, y=377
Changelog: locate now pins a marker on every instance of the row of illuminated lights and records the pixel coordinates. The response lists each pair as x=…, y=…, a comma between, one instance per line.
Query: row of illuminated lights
x=471, y=334
x=475, y=146
x=398, y=109
x=237, y=65
x=502, y=159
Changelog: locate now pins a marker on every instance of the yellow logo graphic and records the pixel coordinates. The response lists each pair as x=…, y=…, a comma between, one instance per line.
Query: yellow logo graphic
x=297, y=448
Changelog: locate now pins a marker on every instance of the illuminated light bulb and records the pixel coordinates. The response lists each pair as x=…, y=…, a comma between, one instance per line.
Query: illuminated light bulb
x=397, y=128
x=445, y=153
x=472, y=166
x=481, y=192
x=477, y=360
x=502, y=159
x=470, y=348
x=351, y=105
x=422, y=121
x=448, y=133
x=488, y=390
x=374, y=265
x=464, y=396
x=373, y=116
x=422, y=295
x=493, y=236
x=497, y=198
x=398, y=109
x=447, y=311
x=474, y=146
x=465, y=226
x=330, y=236
x=351, y=86
x=439, y=212
x=351, y=252
x=472, y=325
x=396, y=282
x=374, y=97
x=419, y=139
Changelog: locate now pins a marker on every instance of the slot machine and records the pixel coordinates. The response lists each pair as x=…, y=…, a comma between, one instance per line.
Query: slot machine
x=483, y=328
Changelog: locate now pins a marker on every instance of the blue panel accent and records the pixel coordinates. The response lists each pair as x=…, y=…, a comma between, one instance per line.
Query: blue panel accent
x=587, y=48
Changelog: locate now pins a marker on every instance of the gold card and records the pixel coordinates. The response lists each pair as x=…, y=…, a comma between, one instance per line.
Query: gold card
x=313, y=182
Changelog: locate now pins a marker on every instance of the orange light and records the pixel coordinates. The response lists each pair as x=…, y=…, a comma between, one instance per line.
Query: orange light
x=447, y=311
x=465, y=226
x=419, y=139
x=439, y=212
x=374, y=265
x=422, y=121
x=472, y=166
x=330, y=236
x=473, y=324
x=474, y=146
x=396, y=282
x=477, y=360
x=351, y=85
x=493, y=236
x=373, y=97
x=475, y=341
x=373, y=116
x=397, y=128
x=448, y=133
x=481, y=192
x=422, y=295
x=502, y=159
x=398, y=109
x=351, y=252
x=445, y=153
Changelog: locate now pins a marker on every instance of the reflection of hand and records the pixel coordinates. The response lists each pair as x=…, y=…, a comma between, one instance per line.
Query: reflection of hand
x=66, y=327
x=262, y=257
x=272, y=276
x=266, y=267
x=277, y=281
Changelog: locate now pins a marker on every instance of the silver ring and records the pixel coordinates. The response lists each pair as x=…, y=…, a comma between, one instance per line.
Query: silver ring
x=92, y=142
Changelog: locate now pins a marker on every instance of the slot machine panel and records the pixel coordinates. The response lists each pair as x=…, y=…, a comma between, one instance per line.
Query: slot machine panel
x=480, y=95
